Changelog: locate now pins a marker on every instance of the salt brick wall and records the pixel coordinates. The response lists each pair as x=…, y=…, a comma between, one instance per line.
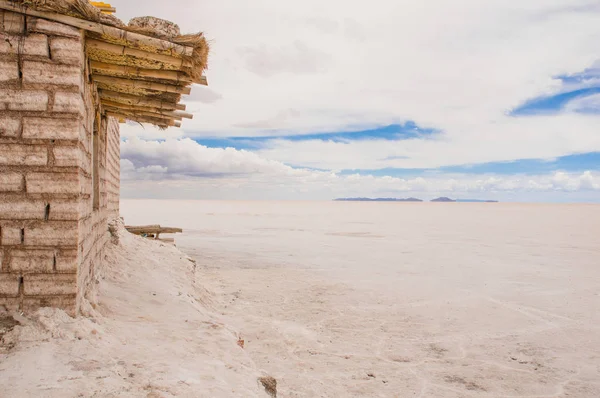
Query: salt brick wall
x=51, y=239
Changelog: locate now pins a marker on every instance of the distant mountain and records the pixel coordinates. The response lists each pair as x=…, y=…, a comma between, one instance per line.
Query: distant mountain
x=377, y=200
x=443, y=199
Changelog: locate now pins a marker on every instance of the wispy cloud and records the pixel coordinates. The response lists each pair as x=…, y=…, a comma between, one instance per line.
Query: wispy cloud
x=316, y=84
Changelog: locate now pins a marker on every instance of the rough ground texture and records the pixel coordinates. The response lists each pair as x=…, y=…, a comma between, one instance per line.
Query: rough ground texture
x=148, y=332
x=428, y=300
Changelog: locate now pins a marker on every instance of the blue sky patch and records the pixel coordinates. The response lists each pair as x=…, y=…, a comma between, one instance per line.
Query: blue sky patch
x=553, y=104
x=572, y=163
x=575, y=86
x=392, y=132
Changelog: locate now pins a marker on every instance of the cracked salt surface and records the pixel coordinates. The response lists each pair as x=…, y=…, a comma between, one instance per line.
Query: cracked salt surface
x=402, y=299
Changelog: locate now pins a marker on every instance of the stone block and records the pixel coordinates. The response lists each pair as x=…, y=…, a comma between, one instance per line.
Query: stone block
x=66, y=303
x=9, y=126
x=67, y=51
x=11, y=235
x=9, y=70
x=49, y=128
x=23, y=100
x=64, y=210
x=51, y=28
x=86, y=185
x=57, y=183
x=35, y=72
x=9, y=285
x=52, y=233
x=23, y=155
x=14, y=22
x=69, y=103
x=66, y=261
x=22, y=209
x=11, y=182
x=10, y=304
x=31, y=260
x=67, y=156
x=35, y=45
x=49, y=284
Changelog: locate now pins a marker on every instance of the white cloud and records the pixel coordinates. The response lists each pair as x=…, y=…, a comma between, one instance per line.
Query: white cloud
x=242, y=174
x=315, y=66
x=283, y=68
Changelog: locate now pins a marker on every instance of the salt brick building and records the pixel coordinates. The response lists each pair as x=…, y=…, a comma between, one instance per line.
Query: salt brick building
x=67, y=78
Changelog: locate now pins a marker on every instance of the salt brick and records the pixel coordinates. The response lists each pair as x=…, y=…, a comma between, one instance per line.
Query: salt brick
x=9, y=70
x=67, y=50
x=31, y=260
x=49, y=128
x=10, y=304
x=52, y=234
x=51, y=28
x=65, y=210
x=66, y=261
x=23, y=155
x=49, y=284
x=9, y=285
x=67, y=156
x=57, y=183
x=36, y=45
x=14, y=22
x=24, y=100
x=66, y=303
x=69, y=103
x=11, y=182
x=11, y=236
x=50, y=73
x=9, y=126
x=19, y=209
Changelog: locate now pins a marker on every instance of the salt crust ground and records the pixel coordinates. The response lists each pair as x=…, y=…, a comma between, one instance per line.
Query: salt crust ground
x=149, y=332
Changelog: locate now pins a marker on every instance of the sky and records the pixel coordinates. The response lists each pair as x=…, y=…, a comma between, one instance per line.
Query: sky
x=315, y=100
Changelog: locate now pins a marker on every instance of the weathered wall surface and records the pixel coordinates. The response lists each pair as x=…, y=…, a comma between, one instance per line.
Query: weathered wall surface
x=93, y=231
x=51, y=237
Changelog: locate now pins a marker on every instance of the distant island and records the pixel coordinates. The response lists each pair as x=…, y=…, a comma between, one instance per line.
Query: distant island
x=378, y=200
x=442, y=199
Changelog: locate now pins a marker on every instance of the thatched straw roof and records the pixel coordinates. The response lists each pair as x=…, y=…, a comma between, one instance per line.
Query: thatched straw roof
x=140, y=69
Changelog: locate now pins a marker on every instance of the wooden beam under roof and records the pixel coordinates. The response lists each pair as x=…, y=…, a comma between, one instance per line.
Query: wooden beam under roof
x=109, y=69
x=141, y=84
x=134, y=52
x=176, y=114
x=131, y=99
x=144, y=119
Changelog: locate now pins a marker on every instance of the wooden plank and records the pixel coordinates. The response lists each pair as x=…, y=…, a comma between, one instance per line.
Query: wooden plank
x=135, y=39
x=143, y=119
x=141, y=84
x=134, y=52
x=180, y=77
x=152, y=229
x=203, y=81
x=141, y=112
x=131, y=99
x=133, y=108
